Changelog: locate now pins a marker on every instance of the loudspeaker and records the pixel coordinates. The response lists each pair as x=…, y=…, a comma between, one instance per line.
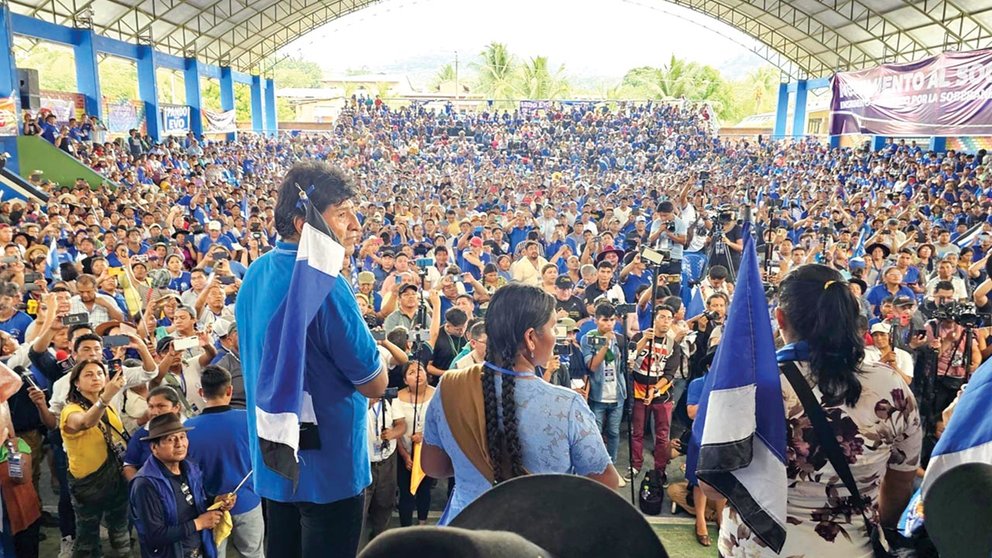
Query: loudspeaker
x=28, y=88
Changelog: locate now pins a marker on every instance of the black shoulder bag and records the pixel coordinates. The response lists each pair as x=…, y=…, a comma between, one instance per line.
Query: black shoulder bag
x=828, y=441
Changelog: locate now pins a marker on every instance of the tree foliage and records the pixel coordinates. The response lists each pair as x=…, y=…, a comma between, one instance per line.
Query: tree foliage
x=297, y=73
x=536, y=80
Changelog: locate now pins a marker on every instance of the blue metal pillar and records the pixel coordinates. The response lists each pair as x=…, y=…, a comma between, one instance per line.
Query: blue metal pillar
x=799, y=114
x=782, y=111
x=938, y=144
x=148, y=90
x=191, y=77
x=271, y=113
x=9, y=85
x=877, y=143
x=227, y=92
x=87, y=71
x=834, y=142
x=257, y=110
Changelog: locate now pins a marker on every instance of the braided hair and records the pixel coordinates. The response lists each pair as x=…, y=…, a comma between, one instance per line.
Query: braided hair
x=513, y=310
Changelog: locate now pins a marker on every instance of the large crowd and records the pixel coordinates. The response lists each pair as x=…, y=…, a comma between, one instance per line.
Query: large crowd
x=117, y=301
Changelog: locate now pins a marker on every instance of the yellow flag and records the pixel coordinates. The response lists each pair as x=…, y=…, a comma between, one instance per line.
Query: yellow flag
x=224, y=528
x=417, y=473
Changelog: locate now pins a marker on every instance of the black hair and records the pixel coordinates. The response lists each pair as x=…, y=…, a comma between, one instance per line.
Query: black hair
x=718, y=272
x=673, y=302
x=76, y=327
x=86, y=337
x=456, y=317
x=214, y=381
x=330, y=186
x=441, y=248
x=943, y=286
x=75, y=396
x=821, y=310
x=513, y=310
x=399, y=336
x=478, y=328
x=605, y=310
x=666, y=207
x=168, y=393
x=605, y=264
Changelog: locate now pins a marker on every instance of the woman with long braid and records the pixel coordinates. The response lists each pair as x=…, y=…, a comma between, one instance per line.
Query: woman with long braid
x=499, y=420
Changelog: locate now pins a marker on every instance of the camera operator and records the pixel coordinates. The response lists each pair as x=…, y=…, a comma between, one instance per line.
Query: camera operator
x=732, y=240
x=669, y=232
x=706, y=325
x=946, y=336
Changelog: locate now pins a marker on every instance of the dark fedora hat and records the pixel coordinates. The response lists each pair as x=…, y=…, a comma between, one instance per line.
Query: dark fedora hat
x=958, y=510
x=163, y=425
x=533, y=515
x=886, y=251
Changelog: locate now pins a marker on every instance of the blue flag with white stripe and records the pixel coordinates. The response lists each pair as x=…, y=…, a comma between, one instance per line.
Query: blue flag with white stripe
x=696, y=305
x=741, y=420
x=859, y=248
x=968, y=436
x=283, y=405
x=53, y=271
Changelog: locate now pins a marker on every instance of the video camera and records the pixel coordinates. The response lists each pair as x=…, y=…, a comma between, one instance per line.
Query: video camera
x=961, y=313
x=596, y=341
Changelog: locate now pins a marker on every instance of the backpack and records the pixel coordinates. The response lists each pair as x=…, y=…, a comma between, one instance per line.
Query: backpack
x=652, y=493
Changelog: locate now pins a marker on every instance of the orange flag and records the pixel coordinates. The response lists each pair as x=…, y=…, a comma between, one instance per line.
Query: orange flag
x=417, y=473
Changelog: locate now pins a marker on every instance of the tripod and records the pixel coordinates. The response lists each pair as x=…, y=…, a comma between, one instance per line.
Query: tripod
x=718, y=246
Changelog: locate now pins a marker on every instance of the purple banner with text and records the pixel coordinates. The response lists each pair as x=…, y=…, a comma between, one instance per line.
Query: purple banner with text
x=945, y=95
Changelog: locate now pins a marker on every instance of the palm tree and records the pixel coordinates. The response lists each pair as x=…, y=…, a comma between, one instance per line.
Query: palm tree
x=444, y=75
x=536, y=81
x=495, y=70
x=761, y=87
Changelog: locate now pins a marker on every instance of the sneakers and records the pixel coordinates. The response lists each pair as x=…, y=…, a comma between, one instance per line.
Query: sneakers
x=65, y=548
x=630, y=475
x=623, y=483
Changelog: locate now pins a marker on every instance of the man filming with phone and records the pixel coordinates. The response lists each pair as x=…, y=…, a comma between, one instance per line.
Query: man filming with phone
x=669, y=232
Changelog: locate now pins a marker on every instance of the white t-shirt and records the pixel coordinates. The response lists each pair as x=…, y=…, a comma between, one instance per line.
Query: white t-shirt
x=378, y=449
x=904, y=361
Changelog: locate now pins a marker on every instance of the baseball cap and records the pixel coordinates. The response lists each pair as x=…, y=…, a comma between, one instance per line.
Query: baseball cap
x=366, y=277
x=902, y=301
x=640, y=219
x=407, y=286
x=222, y=327
x=881, y=327
x=568, y=324
x=476, y=241
x=213, y=226
x=564, y=282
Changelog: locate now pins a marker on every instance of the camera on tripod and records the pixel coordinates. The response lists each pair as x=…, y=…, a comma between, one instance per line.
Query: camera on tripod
x=724, y=214
x=961, y=313
x=622, y=308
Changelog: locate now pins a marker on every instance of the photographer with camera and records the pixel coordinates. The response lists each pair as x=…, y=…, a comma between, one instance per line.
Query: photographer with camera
x=604, y=353
x=670, y=233
x=957, y=353
x=727, y=242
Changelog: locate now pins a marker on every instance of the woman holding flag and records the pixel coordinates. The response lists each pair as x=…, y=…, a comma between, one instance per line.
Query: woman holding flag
x=411, y=404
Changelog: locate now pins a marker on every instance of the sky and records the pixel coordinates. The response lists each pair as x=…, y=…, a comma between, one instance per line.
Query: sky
x=594, y=39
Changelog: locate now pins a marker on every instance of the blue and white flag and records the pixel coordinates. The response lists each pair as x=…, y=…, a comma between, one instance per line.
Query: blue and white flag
x=52, y=270
x=969, y=237
x=741, y=421
x=696, y=305
x=859, y=247
x=968, y=436
x=244, y=202
x=283, y=405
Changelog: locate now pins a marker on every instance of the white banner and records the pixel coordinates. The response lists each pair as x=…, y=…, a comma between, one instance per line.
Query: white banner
x=175, y=119
x=219, y=122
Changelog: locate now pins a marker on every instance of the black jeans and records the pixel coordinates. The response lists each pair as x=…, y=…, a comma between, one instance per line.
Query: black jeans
x=298, y=529
x=422, y=501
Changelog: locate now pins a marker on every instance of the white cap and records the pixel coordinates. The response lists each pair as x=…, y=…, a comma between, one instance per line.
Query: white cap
x=221, y=327
x=881, y=327
x=213, y=225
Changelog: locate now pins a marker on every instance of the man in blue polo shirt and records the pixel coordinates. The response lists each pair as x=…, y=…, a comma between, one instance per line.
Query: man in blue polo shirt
x=218, y=444
x=320, y=514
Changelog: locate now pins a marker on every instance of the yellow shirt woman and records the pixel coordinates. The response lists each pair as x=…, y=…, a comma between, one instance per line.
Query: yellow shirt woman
x=87, y=450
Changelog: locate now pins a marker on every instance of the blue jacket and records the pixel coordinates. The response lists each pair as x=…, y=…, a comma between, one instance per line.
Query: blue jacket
x=151, y=482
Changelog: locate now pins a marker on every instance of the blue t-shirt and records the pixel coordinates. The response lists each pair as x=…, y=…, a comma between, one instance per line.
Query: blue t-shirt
x=557, y=432
x=219, y=447
x=341, y=354
x=180, y=284
x=137, y=450
x=17, y=325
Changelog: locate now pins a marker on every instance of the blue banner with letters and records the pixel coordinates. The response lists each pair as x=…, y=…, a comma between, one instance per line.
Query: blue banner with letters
x=175, y=119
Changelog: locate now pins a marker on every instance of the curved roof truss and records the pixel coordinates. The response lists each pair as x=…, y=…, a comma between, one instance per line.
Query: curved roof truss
x=804, y=38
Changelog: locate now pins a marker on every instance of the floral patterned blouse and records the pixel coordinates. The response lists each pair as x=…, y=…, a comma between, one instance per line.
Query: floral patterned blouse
x=882, y=431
